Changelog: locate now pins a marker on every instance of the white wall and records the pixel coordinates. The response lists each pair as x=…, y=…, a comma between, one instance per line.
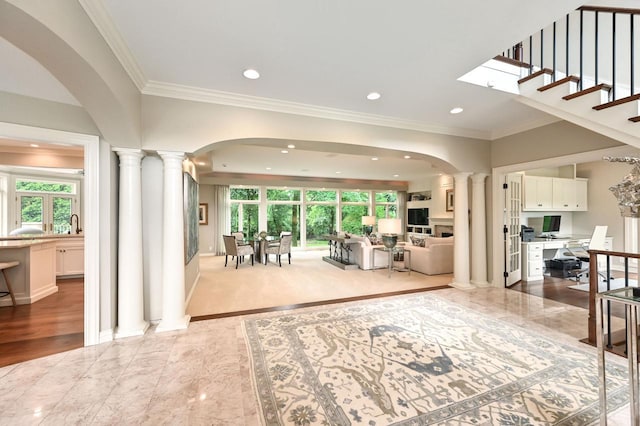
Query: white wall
x=206, y=235
x=603, y=207
x=152, y=178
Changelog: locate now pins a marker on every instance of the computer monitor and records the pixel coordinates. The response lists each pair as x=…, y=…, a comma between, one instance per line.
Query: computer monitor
x=551, y=224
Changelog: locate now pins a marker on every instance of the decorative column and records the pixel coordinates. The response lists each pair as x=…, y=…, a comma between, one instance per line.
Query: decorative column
x=130, y=283
x=173, y=295
x=461, y=231
x=478, y=231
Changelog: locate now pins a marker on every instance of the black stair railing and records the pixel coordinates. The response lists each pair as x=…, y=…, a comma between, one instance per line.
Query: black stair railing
x=588, y=25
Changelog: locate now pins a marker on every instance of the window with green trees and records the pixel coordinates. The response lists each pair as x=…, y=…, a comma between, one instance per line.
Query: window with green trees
x=45, y=205
x=245, y=210
x=386, y=204
x=321, y=217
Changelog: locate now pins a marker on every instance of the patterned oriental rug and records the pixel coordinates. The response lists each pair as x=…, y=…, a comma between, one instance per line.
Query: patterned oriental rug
x=420, y=360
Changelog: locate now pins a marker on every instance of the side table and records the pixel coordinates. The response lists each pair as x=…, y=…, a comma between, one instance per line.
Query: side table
x=392, y=252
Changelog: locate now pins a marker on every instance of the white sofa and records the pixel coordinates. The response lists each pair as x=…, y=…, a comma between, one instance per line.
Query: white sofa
x=436, y=257
x=362, y=254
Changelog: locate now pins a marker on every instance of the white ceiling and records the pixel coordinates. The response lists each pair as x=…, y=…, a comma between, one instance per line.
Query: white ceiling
x=326, y=54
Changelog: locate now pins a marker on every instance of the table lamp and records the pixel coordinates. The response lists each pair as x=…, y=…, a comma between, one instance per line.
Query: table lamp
x=390, y=228
x=367, y=224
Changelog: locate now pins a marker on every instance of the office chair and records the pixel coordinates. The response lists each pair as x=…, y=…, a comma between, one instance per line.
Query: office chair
x=597, y=242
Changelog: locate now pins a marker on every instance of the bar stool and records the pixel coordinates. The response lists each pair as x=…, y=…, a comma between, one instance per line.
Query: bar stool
x=4, y=266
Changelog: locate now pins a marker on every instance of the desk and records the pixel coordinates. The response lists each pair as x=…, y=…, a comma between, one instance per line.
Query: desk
x=535, y=252
x=631, y=304
x=406, y=253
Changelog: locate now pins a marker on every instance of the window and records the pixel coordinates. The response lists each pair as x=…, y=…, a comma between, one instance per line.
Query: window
x=386, y=204
x=283, y=212
x=321, y=216
x=45, y=204
x=355, y=204
x=244, y=210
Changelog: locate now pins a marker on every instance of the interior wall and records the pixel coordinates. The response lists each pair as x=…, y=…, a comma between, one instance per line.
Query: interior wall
x=206, y=234
x=547, y=142
x=29, y=111
x=152, y=228
x=603, y=207
x=108, y=241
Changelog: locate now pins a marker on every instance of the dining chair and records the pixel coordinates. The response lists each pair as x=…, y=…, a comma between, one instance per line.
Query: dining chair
x=233, y=249
x=284, y=247
x=240, y=240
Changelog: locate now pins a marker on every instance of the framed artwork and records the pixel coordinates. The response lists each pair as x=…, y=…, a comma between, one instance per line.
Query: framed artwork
x=449, y=200
x=203, y=214
x=191, y=216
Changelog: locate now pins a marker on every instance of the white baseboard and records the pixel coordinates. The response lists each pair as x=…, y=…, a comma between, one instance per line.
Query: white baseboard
x=106, y=336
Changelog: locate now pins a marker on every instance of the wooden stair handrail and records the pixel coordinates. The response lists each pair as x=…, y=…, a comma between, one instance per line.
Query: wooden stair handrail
x=610, y=9
x=617, y=102
x=568, y=79
x=511, y=61
x=536, y=74
x=591, y=89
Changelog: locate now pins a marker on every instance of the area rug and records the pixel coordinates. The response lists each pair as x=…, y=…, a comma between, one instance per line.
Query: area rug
x=602, y=285
x=419, y=360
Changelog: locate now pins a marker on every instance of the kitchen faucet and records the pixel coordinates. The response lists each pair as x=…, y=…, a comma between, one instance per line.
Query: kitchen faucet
x=78, y=230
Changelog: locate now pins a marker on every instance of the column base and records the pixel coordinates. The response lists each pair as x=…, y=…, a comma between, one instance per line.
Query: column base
x=481, y=284
x=139, y=331
x=461, y=286
x=178, y=324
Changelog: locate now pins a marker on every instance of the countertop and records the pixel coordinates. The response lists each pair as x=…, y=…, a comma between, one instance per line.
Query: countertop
x=41, y=237
x=22, y=243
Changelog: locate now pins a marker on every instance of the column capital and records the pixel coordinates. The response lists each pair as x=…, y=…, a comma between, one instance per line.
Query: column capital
x=479, y=177
x=128, y=152
x=168, y=155
x=461, y=176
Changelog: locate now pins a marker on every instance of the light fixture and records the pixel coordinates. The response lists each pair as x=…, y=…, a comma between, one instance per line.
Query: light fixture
x=291, y=146
x=389, y=228
x=251, y=74
x=338, y=173
x=373, y=96
x=374, y=158
x=284, y=151
x=34, y=145
x=406, y=157
x=396, y=175
x=367, y=224
x=268, y=168
x=456, y=110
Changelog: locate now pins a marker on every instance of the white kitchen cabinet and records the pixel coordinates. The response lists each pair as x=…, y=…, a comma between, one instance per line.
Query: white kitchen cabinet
x=70, y=257
x=581, y=195
x=538, y=192
x=564, y=194
x=543, y=193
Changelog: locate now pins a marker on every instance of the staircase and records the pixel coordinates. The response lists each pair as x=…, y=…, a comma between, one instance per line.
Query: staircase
x=583, y=69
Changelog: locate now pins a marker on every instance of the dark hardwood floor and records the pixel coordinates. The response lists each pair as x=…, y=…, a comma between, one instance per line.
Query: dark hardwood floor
x=51, y=325
x=557, y=289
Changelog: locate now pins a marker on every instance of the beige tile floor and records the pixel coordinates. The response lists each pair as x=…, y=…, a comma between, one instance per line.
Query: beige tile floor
x=202, y=375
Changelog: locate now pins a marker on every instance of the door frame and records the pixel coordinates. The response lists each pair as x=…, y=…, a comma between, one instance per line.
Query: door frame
x=498, y=205
x=91, y=220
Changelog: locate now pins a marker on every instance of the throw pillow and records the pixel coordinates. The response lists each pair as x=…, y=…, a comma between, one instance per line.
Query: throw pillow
x=417, y=241
x=373, y=239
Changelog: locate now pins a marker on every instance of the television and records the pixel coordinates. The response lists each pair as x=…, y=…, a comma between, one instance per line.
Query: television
x=418, y=216
x=551, y=224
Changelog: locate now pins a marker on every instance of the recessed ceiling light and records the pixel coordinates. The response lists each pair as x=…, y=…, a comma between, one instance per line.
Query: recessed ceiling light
x=201, y=163
x=291, y=146
x=456, y=110
x=406, y=157
x=251, y=74
x=338, y=173
x=374, y=158
x=34, y=145
x=284, y=151
x=396, y=175
x=373, y=96
x=268, y=168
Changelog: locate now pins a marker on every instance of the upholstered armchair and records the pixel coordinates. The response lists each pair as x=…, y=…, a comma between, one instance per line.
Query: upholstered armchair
x=233, y=249
x=284, y=247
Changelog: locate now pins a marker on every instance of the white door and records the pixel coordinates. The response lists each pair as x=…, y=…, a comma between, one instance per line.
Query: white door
x=513, y=206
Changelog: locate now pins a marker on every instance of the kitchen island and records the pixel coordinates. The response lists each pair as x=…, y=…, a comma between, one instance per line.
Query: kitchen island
x=35, y=277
